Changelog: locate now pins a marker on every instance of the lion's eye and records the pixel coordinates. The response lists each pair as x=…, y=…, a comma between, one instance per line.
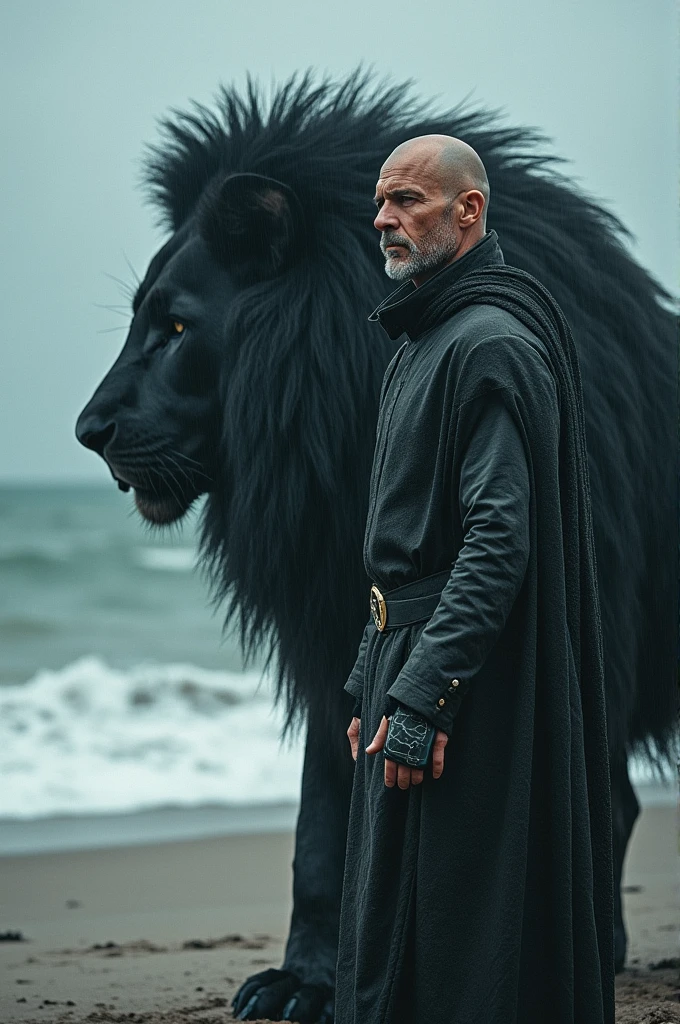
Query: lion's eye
x=177, y=326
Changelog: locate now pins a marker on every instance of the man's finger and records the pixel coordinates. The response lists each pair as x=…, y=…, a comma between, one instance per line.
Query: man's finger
x=378, y=741
x=390, y=772
x=353, y=736
x=403, y=776
x=416, y=776
x=440, y=741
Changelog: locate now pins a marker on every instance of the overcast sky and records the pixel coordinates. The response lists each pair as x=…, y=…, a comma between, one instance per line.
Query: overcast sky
x=82, y=85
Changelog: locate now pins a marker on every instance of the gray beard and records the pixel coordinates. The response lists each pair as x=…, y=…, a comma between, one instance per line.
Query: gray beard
x=434, y=251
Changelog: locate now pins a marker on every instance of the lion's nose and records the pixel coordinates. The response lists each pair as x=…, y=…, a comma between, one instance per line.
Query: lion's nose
x=94, y=434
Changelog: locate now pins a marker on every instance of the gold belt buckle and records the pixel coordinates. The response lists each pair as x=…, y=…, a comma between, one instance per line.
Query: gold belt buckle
x=378, y=608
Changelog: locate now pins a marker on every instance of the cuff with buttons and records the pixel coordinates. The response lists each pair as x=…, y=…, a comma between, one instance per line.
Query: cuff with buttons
x=441, y=711
x=448, y=704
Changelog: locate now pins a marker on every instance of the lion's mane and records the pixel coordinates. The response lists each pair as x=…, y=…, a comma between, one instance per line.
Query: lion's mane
x=282, y=532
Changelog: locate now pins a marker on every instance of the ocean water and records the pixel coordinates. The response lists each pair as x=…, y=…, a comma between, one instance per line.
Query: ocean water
x=118, y=691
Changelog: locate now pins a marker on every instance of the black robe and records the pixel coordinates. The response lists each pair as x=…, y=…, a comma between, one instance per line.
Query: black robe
x=485, y=896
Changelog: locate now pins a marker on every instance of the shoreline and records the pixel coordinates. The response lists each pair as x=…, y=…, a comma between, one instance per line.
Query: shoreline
x=140, y=828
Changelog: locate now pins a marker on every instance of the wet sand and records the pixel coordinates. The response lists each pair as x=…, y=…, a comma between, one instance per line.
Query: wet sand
x=167, y=932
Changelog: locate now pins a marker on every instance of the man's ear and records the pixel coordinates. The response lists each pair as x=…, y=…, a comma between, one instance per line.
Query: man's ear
x=252, y=224
x=473, y=204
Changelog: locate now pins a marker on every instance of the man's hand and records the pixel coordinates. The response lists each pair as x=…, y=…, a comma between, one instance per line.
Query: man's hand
x=401, y=773
x=353, y=736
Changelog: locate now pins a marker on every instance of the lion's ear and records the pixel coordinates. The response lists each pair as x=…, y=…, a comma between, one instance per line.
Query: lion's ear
x=252, y=224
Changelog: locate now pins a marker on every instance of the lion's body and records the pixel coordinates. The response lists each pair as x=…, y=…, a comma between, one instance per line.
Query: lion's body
x=300, y=373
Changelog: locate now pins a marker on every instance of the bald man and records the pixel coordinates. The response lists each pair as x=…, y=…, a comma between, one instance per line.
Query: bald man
x=478, y=878
x=416, y=192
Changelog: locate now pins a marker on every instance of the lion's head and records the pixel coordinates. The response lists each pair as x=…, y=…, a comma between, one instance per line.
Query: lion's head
x=157, y=417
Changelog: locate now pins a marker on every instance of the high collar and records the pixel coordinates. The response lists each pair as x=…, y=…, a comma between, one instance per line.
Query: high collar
x=401, y=312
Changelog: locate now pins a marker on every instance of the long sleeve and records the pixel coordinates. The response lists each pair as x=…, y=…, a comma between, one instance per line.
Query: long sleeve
x=488, y=573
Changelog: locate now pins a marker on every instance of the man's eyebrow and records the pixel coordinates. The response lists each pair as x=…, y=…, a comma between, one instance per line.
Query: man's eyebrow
x=403, y=191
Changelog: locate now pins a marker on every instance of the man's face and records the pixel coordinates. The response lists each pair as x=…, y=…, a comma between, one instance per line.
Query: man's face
x=417, y=220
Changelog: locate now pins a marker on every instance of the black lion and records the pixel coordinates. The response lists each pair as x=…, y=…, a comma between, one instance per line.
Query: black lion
x=250, y=373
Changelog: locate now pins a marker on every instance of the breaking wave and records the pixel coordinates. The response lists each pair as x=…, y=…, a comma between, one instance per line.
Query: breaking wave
x=90, y=738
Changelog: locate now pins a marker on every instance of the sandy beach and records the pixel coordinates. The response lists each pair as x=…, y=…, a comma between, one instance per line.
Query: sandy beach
x=166, y=931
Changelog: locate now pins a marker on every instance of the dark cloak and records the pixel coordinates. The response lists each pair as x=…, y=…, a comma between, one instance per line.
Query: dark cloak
x=486, y=896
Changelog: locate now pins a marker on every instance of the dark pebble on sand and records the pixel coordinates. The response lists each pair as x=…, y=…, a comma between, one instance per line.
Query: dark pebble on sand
x=12, y=937
x=226, y=940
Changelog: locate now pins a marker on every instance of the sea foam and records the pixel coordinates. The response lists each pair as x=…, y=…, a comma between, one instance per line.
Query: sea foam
x=90, y=738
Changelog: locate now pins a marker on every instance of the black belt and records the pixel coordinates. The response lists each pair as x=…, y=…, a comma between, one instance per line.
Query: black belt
x=414, y=602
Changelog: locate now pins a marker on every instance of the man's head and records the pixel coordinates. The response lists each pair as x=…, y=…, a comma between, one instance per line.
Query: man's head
x=432, y=197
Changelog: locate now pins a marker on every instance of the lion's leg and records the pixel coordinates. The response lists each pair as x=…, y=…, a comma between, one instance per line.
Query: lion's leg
x=303, y=989
x=319, y=862
x=625, y=809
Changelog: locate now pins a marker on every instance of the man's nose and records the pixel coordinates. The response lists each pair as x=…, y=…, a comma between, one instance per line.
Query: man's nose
x=385, y=219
